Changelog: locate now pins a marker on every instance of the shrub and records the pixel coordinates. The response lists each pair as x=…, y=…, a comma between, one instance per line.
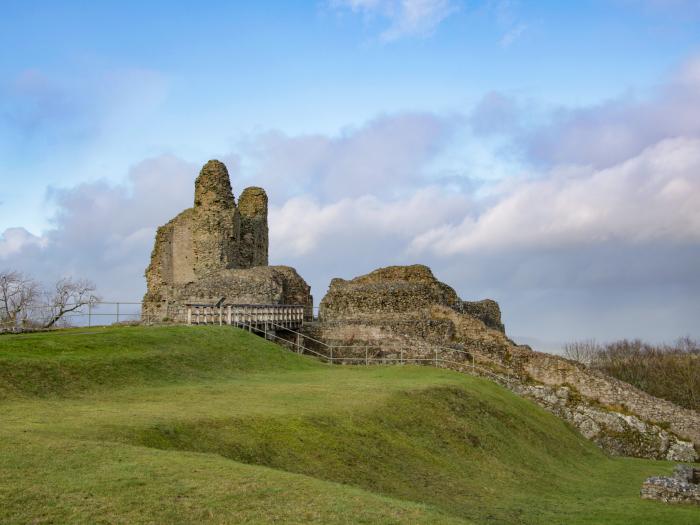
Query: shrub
x=670, y=372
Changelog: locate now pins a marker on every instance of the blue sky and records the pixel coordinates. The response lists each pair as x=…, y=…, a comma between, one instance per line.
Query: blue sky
x=356, y=112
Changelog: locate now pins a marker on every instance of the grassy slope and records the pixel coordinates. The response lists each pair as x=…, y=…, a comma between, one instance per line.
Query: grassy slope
x=183, y=424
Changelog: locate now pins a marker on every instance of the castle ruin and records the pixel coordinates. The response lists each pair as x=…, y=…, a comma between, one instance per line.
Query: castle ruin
x=217, y=252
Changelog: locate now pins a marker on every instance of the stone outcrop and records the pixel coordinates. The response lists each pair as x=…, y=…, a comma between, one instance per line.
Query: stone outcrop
x=407, y=307
x=608, y=391
x=618, y=433
x=682, y=487
x=217, y=251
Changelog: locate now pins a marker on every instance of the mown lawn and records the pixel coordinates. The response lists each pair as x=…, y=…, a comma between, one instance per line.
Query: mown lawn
x=214, y=425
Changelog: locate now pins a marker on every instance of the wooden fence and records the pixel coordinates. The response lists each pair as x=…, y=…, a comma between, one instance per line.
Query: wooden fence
x=255, y=315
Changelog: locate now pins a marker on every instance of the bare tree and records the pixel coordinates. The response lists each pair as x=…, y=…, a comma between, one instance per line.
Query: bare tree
x=17, y=293
x=688, y=345
x=667, y=371
x=582, y=351
x=69, y=296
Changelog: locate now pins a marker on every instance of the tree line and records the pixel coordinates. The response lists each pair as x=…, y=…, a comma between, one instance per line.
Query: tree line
x=26, y=303
x=666, y=371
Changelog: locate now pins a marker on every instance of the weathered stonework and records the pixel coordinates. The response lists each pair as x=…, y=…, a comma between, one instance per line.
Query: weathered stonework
x=218, y=251
x=617, y=433
x=682, y=487
x=397, y=292
x=407, y=307
x=254, y=232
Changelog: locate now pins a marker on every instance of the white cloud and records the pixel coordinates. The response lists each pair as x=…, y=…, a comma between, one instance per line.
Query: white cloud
x=495, y=113
x=620, y=129
x=14, y=240
x=303, y=225
x=382, y=157
x=407, y=18
x=342, y=205
x=104, y=232
x=648, y=198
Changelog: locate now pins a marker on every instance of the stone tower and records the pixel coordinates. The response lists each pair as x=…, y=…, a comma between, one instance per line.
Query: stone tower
x=252, y=248
x=201, y=254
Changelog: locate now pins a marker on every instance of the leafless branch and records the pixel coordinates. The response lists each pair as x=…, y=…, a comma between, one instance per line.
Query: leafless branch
x=582, y=351
x=69, y=296
x=17, y=292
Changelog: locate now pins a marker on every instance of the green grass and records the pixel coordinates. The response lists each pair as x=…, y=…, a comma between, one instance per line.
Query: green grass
x=214, y=425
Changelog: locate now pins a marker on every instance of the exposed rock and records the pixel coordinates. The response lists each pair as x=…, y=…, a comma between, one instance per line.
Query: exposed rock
x=555, y=370
x=407, y=307
x=217, y=251
x=682, y=487
x=619, y=434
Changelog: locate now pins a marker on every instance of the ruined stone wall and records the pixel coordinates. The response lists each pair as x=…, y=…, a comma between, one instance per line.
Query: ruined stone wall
x=623, y=434
x=253, y=244
x=397, y=305
x=555, y=370
x=386, y=292
x=486, y=311
x=218, y=250
x=199, y=240
x=682, y=487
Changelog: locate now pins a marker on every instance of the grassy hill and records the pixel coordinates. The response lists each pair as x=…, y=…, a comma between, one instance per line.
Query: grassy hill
x=214, y=425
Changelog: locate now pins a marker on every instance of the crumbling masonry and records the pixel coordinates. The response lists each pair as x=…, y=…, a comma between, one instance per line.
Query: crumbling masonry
x=402, y=306
x=217, y=252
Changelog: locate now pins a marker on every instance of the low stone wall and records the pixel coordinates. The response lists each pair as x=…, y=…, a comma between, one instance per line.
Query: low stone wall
x=555, y=370
x=682, y=487
x=617, y=433
x=409, y=340
x=408, y=306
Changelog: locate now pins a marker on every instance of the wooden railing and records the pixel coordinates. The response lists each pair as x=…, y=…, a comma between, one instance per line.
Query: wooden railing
x=256, y=315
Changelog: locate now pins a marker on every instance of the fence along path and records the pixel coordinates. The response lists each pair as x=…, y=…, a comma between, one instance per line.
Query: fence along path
x=267, y=319
x=93, y=313
x=395, y=354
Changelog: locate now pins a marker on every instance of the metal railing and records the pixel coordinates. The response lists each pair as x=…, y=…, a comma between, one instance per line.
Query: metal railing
x=267, y=320
x=100, y=313
x=385, y=354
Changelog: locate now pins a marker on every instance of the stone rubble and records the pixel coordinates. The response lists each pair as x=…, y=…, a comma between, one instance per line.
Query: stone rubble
x=682, y=487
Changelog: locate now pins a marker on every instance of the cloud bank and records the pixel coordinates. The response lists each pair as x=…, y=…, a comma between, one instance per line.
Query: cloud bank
x=598, y=235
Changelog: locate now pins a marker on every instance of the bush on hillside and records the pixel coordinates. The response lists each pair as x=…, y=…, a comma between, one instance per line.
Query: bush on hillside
x=670, y=372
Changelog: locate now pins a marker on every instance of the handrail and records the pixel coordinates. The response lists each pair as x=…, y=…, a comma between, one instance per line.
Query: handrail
x=430, y=346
